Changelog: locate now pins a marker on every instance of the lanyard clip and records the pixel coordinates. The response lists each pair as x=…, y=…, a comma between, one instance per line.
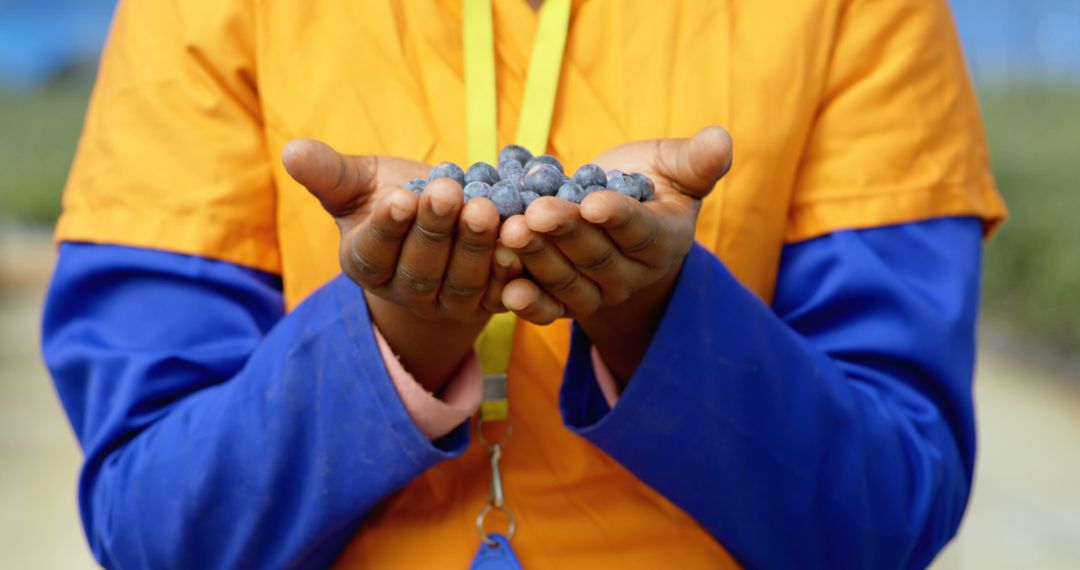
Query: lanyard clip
x=496, y=499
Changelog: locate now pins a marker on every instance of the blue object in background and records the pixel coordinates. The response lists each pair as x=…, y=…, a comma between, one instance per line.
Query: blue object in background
x=1004, y=40
x=41, y=38
x=1015, y=40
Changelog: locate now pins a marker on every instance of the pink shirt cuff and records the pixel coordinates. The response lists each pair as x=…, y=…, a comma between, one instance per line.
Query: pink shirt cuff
x=433, y=416
x=608, y=386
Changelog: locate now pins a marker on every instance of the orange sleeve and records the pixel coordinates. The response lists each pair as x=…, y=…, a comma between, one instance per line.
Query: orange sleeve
x=172, y=155
x=897, y=137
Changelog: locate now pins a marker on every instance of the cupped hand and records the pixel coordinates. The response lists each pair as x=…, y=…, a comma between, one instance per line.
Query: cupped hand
x=431, y=254
x=613, y=250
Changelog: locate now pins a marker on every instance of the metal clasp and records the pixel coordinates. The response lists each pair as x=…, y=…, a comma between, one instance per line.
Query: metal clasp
x=496, y=499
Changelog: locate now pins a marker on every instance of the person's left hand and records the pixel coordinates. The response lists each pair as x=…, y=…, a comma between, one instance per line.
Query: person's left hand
x=611, y=247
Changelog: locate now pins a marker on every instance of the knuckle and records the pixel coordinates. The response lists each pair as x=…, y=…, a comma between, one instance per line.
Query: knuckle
x=458, y=291
x=473, y=247
x=383, y=235
x=535, y=247
x=431, y=235
x=647, y=242
x=622, y=220
x=362, y=269
x=600, y=262
x=414, y=283
x=563, y=284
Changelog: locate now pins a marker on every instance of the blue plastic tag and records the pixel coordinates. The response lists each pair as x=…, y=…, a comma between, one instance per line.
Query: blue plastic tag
x=495, y=557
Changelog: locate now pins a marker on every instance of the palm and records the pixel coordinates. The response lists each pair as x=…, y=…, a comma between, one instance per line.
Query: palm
x=389, y=173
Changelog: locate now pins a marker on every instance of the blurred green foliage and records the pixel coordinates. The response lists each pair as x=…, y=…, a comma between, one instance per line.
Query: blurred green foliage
x=38, y=134
x=1032, y=267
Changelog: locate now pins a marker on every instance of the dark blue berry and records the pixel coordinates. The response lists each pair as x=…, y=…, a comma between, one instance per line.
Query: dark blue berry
x=482, y=172
x=645, y=185
x=571, y=191
x=416, y=185
x=544, y=159
x=592, y=189
x=544, y=179
x=529, y=197
x=448, y=170
x=511, y=170
x=590, y=175
x=625, y=185
x=507, y=198
x=477, y=190
x=612, y=174
x=515, y=152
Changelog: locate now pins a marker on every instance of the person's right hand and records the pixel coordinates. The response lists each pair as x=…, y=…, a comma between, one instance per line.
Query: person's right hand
x=432, y=254
x=425, y=264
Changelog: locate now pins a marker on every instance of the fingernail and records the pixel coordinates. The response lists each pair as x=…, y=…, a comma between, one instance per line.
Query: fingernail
x=515, y=306
x=505, y=258
x=441, y=207
x=474, y=226
x=398, y=213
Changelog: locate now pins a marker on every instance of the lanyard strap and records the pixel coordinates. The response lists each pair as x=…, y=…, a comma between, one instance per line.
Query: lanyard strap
x=534, y=125
x=542, y=81
x=481, y=113
x=481, y=121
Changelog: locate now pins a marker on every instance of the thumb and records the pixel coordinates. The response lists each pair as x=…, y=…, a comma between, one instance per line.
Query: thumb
x=340, y=182
x=696, y=164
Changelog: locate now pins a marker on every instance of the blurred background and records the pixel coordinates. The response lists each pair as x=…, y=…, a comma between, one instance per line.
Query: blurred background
x=1025, y=60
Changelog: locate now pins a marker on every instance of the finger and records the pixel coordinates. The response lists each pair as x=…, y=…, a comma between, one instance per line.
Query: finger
x=529, y=302
x=549, y=268
x=470, y=260
x=506, y=266
x=695, y=164
x=369, y=252
x=587, y=246
x=340, y=182
x=635, y=228
x=426, y=250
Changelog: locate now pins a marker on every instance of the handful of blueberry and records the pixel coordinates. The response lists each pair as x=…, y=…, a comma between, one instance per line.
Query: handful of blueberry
x=521, y=178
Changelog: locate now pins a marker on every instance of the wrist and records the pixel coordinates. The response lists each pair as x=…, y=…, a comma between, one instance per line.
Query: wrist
x=431, y=350
x=622, y=333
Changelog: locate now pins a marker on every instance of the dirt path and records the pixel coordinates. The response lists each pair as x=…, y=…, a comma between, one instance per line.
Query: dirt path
x=1025, y=512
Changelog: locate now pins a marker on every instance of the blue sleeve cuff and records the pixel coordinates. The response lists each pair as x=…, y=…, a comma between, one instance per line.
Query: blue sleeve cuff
x=839, y=419
x=651, y=401
x=361, y=343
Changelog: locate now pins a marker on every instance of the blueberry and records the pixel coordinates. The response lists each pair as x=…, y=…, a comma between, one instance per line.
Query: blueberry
x=544, y=179
x=529, y=197
x=612, y=174
x=515, y=152
x=482, y=172
x=645, y=185
x=507, y=198
x=592, y=189
x=477, y=190
x=544, y=159
x=416, y=185
x=572, y=192
x=625, y=185
x=590, y=175
x=448, y=170
x=511, y=170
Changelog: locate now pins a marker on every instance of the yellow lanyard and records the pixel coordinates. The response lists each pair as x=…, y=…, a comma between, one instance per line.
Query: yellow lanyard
x=481, y=122
x=534, y=125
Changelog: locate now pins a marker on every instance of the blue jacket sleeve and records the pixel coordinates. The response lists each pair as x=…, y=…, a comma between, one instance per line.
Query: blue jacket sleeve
x=219, y=433
x=833, y=430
